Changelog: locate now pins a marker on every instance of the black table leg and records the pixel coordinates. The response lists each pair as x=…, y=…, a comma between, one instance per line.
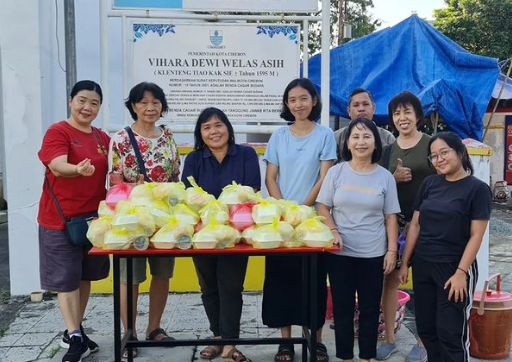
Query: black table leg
x=129, y=310
x=313, y=304
x=117, y=311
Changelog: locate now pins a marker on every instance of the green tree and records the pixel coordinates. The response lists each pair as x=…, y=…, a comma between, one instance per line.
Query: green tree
x=356, y=14
x=480, y=26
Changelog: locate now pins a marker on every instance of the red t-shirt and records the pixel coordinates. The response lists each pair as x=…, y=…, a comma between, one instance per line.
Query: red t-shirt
x=76, y=195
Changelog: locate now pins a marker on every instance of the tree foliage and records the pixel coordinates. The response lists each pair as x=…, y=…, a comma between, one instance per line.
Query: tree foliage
x=480, y=26
x=356, y=14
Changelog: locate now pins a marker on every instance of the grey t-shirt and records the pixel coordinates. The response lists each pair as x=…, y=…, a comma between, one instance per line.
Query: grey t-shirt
x=358, y=203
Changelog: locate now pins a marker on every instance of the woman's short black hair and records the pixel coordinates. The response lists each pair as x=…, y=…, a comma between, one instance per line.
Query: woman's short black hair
x=137, y=93
x=454, y=142
x=310, y=87
x=347, y=155
x=88, y=85
x=403, y=99
x=204, y=117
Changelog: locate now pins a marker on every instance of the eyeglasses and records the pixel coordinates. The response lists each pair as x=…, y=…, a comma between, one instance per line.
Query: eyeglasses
x=434, y=157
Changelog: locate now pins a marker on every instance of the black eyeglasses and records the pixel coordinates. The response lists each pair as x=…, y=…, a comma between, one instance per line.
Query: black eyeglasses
x=433, y=157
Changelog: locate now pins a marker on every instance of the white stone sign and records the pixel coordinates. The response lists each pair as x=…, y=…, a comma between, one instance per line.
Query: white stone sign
x=241, y=69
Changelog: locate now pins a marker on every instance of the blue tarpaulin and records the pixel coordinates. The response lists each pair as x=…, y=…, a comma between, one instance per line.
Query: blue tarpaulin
x=413, y=56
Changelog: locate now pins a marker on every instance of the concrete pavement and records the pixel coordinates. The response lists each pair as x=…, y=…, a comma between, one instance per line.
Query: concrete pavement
x=36, y=332
x=32, y=331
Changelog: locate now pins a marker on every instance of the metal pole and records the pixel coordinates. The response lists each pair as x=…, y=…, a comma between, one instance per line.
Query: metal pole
x=326, y=58
x=341, y=19
x=305, y=50
x=497, y=100
x=69, y=29
x=104, y=68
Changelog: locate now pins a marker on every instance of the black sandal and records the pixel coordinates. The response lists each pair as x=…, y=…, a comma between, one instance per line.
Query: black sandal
x=159, y=331
x=321, y=352
x=124, y=355
x=285, y=353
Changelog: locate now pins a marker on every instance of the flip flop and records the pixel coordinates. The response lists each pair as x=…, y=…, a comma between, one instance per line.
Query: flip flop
x=152, y=336
x=321, y=353
x=235, y=356
x=285, y=353
x=210, y=352
x=124, y=355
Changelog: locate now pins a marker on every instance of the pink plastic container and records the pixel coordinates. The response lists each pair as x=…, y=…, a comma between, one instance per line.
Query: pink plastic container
x=403, y=298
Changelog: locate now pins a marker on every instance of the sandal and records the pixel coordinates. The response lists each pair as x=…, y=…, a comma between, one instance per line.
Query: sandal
x=285, y=353
x=210, y=352
x=321, y=353
x=159, y=331
x=235, y=356
x=134, y=349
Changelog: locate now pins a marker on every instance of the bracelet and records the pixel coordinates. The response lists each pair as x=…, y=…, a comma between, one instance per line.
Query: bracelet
x=462, y=270
x=334, y=229
x=392, y=251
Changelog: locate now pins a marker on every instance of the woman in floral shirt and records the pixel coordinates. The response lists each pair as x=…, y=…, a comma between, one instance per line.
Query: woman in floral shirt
x=146, y=104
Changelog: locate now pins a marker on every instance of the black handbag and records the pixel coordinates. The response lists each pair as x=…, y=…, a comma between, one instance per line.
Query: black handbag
x=77, y=226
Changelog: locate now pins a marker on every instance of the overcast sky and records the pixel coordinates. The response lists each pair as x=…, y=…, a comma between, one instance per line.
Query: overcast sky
x=391, y=12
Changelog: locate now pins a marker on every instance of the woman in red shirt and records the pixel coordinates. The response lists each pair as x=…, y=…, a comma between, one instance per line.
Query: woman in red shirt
x=74, y=154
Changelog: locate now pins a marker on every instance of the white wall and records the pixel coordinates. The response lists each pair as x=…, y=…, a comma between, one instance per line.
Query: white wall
x=21, y=75
x=33, y=95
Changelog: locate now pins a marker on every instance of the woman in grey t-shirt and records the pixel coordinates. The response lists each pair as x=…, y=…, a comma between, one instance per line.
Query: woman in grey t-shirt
x=359, y=201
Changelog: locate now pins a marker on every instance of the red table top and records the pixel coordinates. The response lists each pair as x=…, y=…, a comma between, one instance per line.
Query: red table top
x=241, y=248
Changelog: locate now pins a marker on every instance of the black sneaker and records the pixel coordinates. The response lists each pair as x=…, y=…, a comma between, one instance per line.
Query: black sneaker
x=93, y=346
x=77, y=350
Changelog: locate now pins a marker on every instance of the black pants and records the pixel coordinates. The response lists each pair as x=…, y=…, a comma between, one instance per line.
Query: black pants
x=283, y=292
x=347, y=276
x=221, y=278
x=442, y=324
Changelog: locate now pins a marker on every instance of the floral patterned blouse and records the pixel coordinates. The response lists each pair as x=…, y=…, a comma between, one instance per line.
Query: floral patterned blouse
x=160, y=156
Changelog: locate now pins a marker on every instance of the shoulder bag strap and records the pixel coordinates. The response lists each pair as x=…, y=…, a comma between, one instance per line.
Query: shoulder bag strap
x=104, y=150
x=47, y=182
x=135, y=146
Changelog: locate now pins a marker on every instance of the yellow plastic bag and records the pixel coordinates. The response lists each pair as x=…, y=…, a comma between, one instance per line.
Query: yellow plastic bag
x=287, y=233
x=215, y=235
x=196, y=197
x=121, y=239
x=267, y=236
x=185, y=214
x=285, y=204
x=295, y=214
x=161, y=212
x=214, y=210
x=236, y=194
x=97, y=229
x=266, y=211
x=122, y=207
x=314, y=233
x=171, y=234
x=132, y=218
x=247, y=234
x=105, y=210
x=141, y=195
x=171, y=192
